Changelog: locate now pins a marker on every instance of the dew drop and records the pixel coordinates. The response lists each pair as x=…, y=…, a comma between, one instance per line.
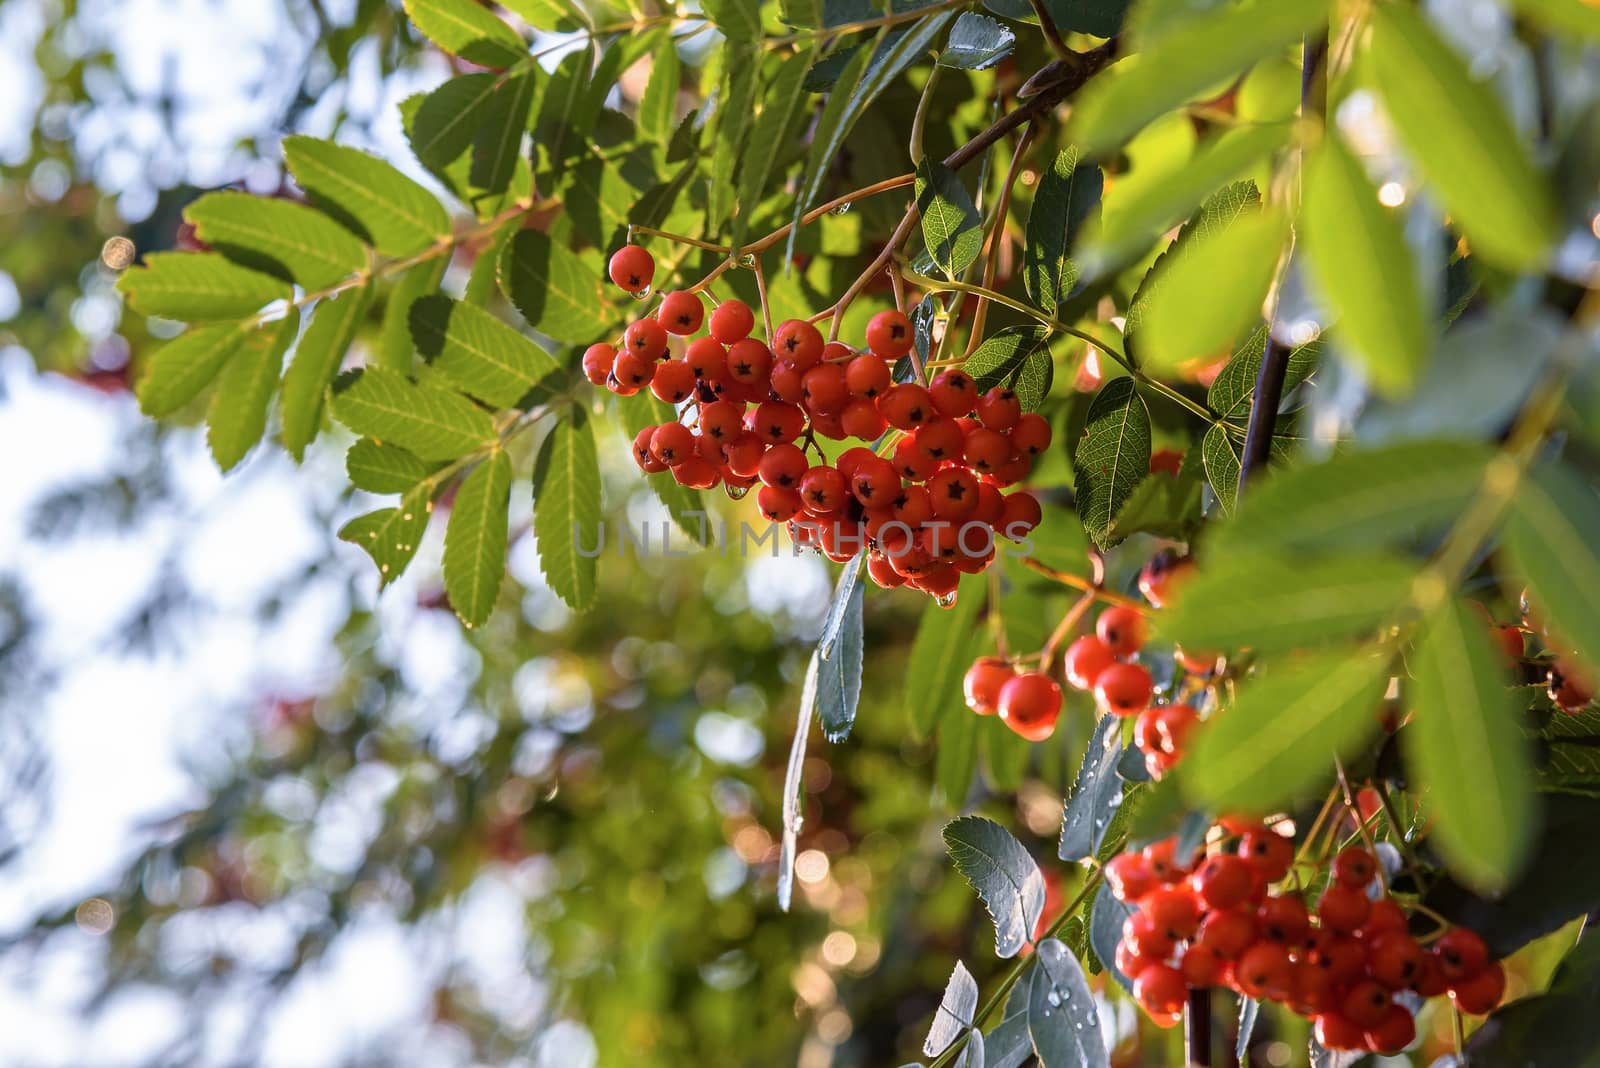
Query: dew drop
x=735, y=493
x=1054, y=999
x=642, y=294
x=1099, y=822
x=841, y=209
x=796, y=823
x=946, y=600
x=1078, y=1025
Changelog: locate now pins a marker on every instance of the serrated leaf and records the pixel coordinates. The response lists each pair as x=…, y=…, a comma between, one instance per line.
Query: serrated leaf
x=1216, y=213
x=1068, y=197
x=1358, y=258
x=999, y=360
x=180, y=369
x=475, y=539
x=552, y=16
x=448, y=118
x=794, y=783
x=1223, y=455
x=1270, y=603
x=1462, y=139
x=1105, y=931
x=467, y=29
x=477, y=351
x=686, y=507
x=1220, y=45
x=840, y=606
x=279, y=237
x=333, y=326
x=391, y=535
x=433, y=423
x=1096, y=793
x=384, y=468
x=839, y=673
x=769, y=133
x=1234, y=389
x=933, y=674
x=198, y=286
x=391, y=212
x=566, y=509
x=554, y=291
x=956, y=1012
x=658, y=106
x=737, y=19
x=977, y=42
x=1129, y=226
x=238, y=414
x=1466, y=751
x=554, y=130
x=1112, y=458
x=1360, y=499
x=736, y=110
x=1550, y=543
x=1004, y=875
x=951, y=225
x=1276, y=742
x=1207, y=297
x=396, y=350
x=497, y=146
x=1063, y=1018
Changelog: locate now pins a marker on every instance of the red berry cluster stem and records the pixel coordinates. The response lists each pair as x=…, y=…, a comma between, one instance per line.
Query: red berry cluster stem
x=751, y=412
x=1201, y=922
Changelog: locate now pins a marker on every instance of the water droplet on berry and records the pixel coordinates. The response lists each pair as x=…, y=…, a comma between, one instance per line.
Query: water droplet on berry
x=946, y=600
x=735, y=493
x=642, y=294
x=841, y=209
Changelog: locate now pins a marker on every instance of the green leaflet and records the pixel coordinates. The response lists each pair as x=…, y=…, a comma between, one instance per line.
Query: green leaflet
x=394, y=214
x=1112, y=458
x=432, y=423
x=1067, y=198
x=475, y=539
x=939, y=657
x=334, y=322
x=659, y=106
x=195, y=287
x=478, y=352
x=566, y=509
x=1550, y=541
x=278, y=237
x=384, y=468
x=951, y=225
x=467, y=29
x=391, y=535
x=554, y=291
x=184, y=366
x=238, y=414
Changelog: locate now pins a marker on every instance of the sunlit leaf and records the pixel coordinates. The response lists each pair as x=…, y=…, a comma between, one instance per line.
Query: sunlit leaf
x=1067, y=197
x=238, y=414
x=433, y=423
x=333, y=326
x=933, y=675
x=1550, y=541
x=198, y=286
x=467, y=29
x=1004, y=875
x=177, y=371
x=839, y=673
x=1112, y=458
x=977, y=42
x=391, y=212
x=554, y=291
x=951, y=225
x=956, y=1012
x=391, y=535
x=1096, y=794
x=566, y=509
x=477, y=351
x=277, y=236
x=378, y=467
x=1063, y=1017
x=475, y=539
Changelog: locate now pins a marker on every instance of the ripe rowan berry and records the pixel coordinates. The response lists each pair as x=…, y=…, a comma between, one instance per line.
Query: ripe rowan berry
x=721, y=421
x=986, y=451
x=1478, y=994
x=1365, y=1004
x=953, y=392
x=787, y=382
x=828, y=425
x=1462, y=953
x=1021, y=516
x=991, y=510
x=1385, y=916
x=1146, y=937
x=1163, y=858
x=695, y=473
x=909, y=461
x=823, y=388
x=646, y=338
x=633, y=370
x=632, y=268
x=707, y=358
x=889, y=334
x=1122, y=629
x=1569, y=690
x=941, y=581
x=906, y=406
x=1282, y=919
x=1173, y=724
x=1029, y=705
x=874, y=482
x=1123, y=689
x=1130, y=877
x=1031, y=435
x=823, y=489
x=1128, y=960
x=777, y=423
x=673, y=443
x=1160, y=990
x=882, y=572
x=1265, y=971
x=1223, y=881
x=798, y=342
x=1174, y=909
x=939, y=440
x=1269, y=852
x=1227, y=933
x=861, y=419
x=982, y=684
x=1335, y=1032
x=1161, y=576
x=867, y=376
x=1201, y=967
x=597, y=362
x=912, y=506
x=749, y=362
x=642, y=454
x=1354, y=867
x=999, y=409
x=1396, y=1031
x=681, y=313
x=1395, y=960
x=744, y=454
x=1086, y=658
x=954, y=492
x=783, y=466
x=673, y=382
x=1314, y=990
x=1431, y=981
x=732, y=320
x=1342, y=909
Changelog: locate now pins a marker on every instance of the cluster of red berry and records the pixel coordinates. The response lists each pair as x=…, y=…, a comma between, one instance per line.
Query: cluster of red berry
x=1216, y=921
x=925, y=514
x=1029, y=702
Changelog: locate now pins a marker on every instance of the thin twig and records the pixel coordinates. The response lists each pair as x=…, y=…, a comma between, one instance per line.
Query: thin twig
x=1052, y=34
x=997, y=235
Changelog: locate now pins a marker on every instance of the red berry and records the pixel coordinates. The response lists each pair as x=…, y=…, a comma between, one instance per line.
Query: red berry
x=1335, y=1032
x=1431, y=981
x=982, y=683
x=641, y=451
x=953, y=392
x=1201, y=967
x=986, y=450
x=1384, y=917
x=1130, y=877
x=1366, y=1004
x=939, y=439
x=681, y=313
x=954, y=491
x=823, y=489
x=1480, y=993
x=798, y=342
x=1265, y=971
x=999, y=409
x=696, y=473
x=749, y=362
x=778, y=504
x=867, y=376
x=1146, y=937
x=646, y=338
x=732, y=320
x=1174, y=909
x=906, y=406
x=1223, y=881
x=597, y=362
x=1228, y=933
x=1029, y=705
x=1128, y=960
x=1031, y=435
x=910, y=462
x=633, y=370
x=673, y=382
x=1354, y=867
x=875, y=482
x=673, y=443
x=889, y=334
x=1122, y=629
x=1462, y=953
x=1282, y=919
x=1022, y=514
x=1160, y=578
x=861, y=419
x=1342, y=909
x=823, y=388
x=744, y=455
x=1146, y=729
x=1123, y=689
x=707, y=358
x=1395, y=960
x=881, y=571
x=632, y=268
x=721, y=420
x=1396, y=1031
x=1160, y=990
x=1268, y=852
x=777, y=423
x=1173, y=724
x=1163, y=858
x=783, y=466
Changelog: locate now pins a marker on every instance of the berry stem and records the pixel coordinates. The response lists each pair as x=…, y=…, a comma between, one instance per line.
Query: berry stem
x=678, y=239
x=1078, y=582
x=1197, y=1029
x=1064, y=629
x=1361, y=823
x=997, y=234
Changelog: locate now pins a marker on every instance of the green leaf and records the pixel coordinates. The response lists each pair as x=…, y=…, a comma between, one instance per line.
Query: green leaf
x=1277, y=741
x=558, y=296
x=467, y=29
x=555, y=131
x=391, y=212
x=1219, y=211
x=181, y=368
x=1096, y=794
x=1360, y=263
x=956, y=1012
x=433, y=423
x=977, y=42
x=1112, y=458
x=477, y=351
x=449, y=117
x=1462, y=139
x=1068, y=196
x=686, y=507
x=1100, y=18
x=1270, y=603
x=1465, y=749
x=566, y=509
x=279, y=237
x=1207, y=296
x=739, y=94
x=552, y=16
x=1554, y=1028
x=955, y=755
x=1218, y=46
x=933, y=674
x=1162, y=504
x=1105, y=931
x=839, y=672
x=497, y=147
x=391, y=535
x=737, y=19
x=395, y=347
x=951, y=225
x=1234, y=389
x=1373, y=497
x=475, y=539
x=1577, y=17
x=1003, y=353
x=1063, y=1017
x=196, y=286
x=658, y=107
x=1550, y=543
x=1004, y=875
x=383, y=468
x=770, y=134
x=333, y=326
x=1223, y=455
x=1129, y=227
x=238, y=414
